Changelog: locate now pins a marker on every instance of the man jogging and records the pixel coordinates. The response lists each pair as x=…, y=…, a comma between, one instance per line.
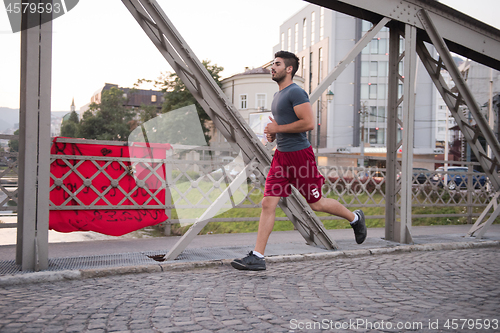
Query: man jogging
x=293, y=162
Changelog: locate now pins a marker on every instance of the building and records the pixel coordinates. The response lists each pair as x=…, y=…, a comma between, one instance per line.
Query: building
x=321, y=38
x=135, y=97
x=252, y=92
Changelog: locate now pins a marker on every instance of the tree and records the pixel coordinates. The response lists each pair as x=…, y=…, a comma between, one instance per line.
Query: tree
x=178, y=96
x=109, y=120
x=69, y=127
x=14, y=144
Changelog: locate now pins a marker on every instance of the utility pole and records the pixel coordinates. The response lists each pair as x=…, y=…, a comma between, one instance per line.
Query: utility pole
x=363, y=112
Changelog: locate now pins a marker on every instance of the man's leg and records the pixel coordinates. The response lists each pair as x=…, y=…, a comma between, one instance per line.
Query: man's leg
x=356, y=219
x=255, y=261
x=266, y=223
x=332, y=206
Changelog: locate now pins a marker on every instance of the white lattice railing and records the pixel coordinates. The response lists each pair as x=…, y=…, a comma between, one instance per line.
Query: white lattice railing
x=178, y=183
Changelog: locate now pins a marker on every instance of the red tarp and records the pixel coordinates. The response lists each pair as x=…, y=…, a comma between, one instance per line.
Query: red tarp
x=114, y=222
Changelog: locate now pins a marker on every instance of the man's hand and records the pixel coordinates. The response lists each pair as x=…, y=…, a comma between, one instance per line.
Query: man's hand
x=270, y=137
x=272, y=127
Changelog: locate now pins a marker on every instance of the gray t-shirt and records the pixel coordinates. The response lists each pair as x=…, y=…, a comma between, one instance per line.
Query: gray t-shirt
x=282, y=108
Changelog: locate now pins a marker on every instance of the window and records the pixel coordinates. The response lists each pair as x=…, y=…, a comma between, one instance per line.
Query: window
x=380, y=136
x=381, y=114
x=374, y=46
x=373, y=68
x=373, y=91
x=310, y=71
x=296, y=37
x=364, y=91
x=282, y=40
x=383, y=68
x=322, y=23
x=382, y=46
x=373, y=135
x=303, y=71
x=261, y=101
x=304, y=34
x=320, y=65
x=373, y=113
x=381, y=93
x=365, y=68
x=153, y=98
x=289, y=44
x=313, y=27
x=243, y=101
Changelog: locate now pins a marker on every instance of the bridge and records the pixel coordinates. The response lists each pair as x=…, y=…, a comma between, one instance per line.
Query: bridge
x=416, y=21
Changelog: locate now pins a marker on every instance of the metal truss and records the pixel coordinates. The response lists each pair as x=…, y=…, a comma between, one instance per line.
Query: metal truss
x=224, y=115
x=34, y=143
x=464, y=95
x=399, y=191
x=342, y=65
x=448, y=30
x=481, y=226
x=418, y=21
x=453, y=101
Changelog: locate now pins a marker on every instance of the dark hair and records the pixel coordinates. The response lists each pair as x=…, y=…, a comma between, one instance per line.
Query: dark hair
x=290, y=59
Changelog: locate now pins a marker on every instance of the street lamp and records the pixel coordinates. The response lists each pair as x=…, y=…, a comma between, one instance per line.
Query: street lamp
x=329, y=97
x=363, y=113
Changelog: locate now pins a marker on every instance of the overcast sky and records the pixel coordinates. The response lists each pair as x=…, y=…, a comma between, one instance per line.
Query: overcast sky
x=100, y=42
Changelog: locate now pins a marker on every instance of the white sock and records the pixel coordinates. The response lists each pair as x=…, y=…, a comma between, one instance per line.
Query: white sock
x=356, y=218
x=257, y=254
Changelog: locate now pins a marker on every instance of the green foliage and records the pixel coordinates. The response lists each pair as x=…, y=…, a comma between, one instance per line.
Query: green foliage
x=14, y=144
x=178, y=96
x=147, y=112
x=69, y=127
x=109, y=120
x=73, y=117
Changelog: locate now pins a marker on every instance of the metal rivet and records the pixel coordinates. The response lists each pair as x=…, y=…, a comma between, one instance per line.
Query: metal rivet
x=114, y=183
x=58, y=182
x=87, y=182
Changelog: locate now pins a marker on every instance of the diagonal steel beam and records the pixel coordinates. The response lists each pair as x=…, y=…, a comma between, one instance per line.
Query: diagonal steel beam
x=342, y=65
x=215, y=207
x=225, y=116
x=480, y=227
x=489, y=165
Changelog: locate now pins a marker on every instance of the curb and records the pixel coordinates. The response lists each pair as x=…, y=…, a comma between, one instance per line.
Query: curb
x=49, y=276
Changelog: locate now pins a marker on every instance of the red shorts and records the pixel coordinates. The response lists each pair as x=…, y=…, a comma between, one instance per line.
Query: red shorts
x=297, y=168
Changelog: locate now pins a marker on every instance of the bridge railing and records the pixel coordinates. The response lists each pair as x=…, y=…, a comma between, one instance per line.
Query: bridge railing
x=194, y=177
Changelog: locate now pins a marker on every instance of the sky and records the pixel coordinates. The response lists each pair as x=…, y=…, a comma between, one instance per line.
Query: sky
x=100, y=42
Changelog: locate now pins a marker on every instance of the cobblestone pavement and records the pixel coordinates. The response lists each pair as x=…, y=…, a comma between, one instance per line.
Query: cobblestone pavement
x=417, y=291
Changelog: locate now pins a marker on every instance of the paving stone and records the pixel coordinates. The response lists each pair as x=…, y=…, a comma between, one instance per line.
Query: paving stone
x=403, y=287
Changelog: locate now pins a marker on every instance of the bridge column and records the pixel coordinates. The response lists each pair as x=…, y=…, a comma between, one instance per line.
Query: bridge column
x=34, y=144
x=398, y=215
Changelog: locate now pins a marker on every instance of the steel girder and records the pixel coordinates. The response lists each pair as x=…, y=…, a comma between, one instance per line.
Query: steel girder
x=225, y=116
x=463, y=34
x=447, y=29
x=34, y=143
x=453, y=101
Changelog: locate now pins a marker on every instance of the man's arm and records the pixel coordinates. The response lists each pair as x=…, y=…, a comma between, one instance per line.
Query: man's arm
x=304, y=124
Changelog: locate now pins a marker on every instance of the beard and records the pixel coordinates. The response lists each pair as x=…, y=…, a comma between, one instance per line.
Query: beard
x=279, y=76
